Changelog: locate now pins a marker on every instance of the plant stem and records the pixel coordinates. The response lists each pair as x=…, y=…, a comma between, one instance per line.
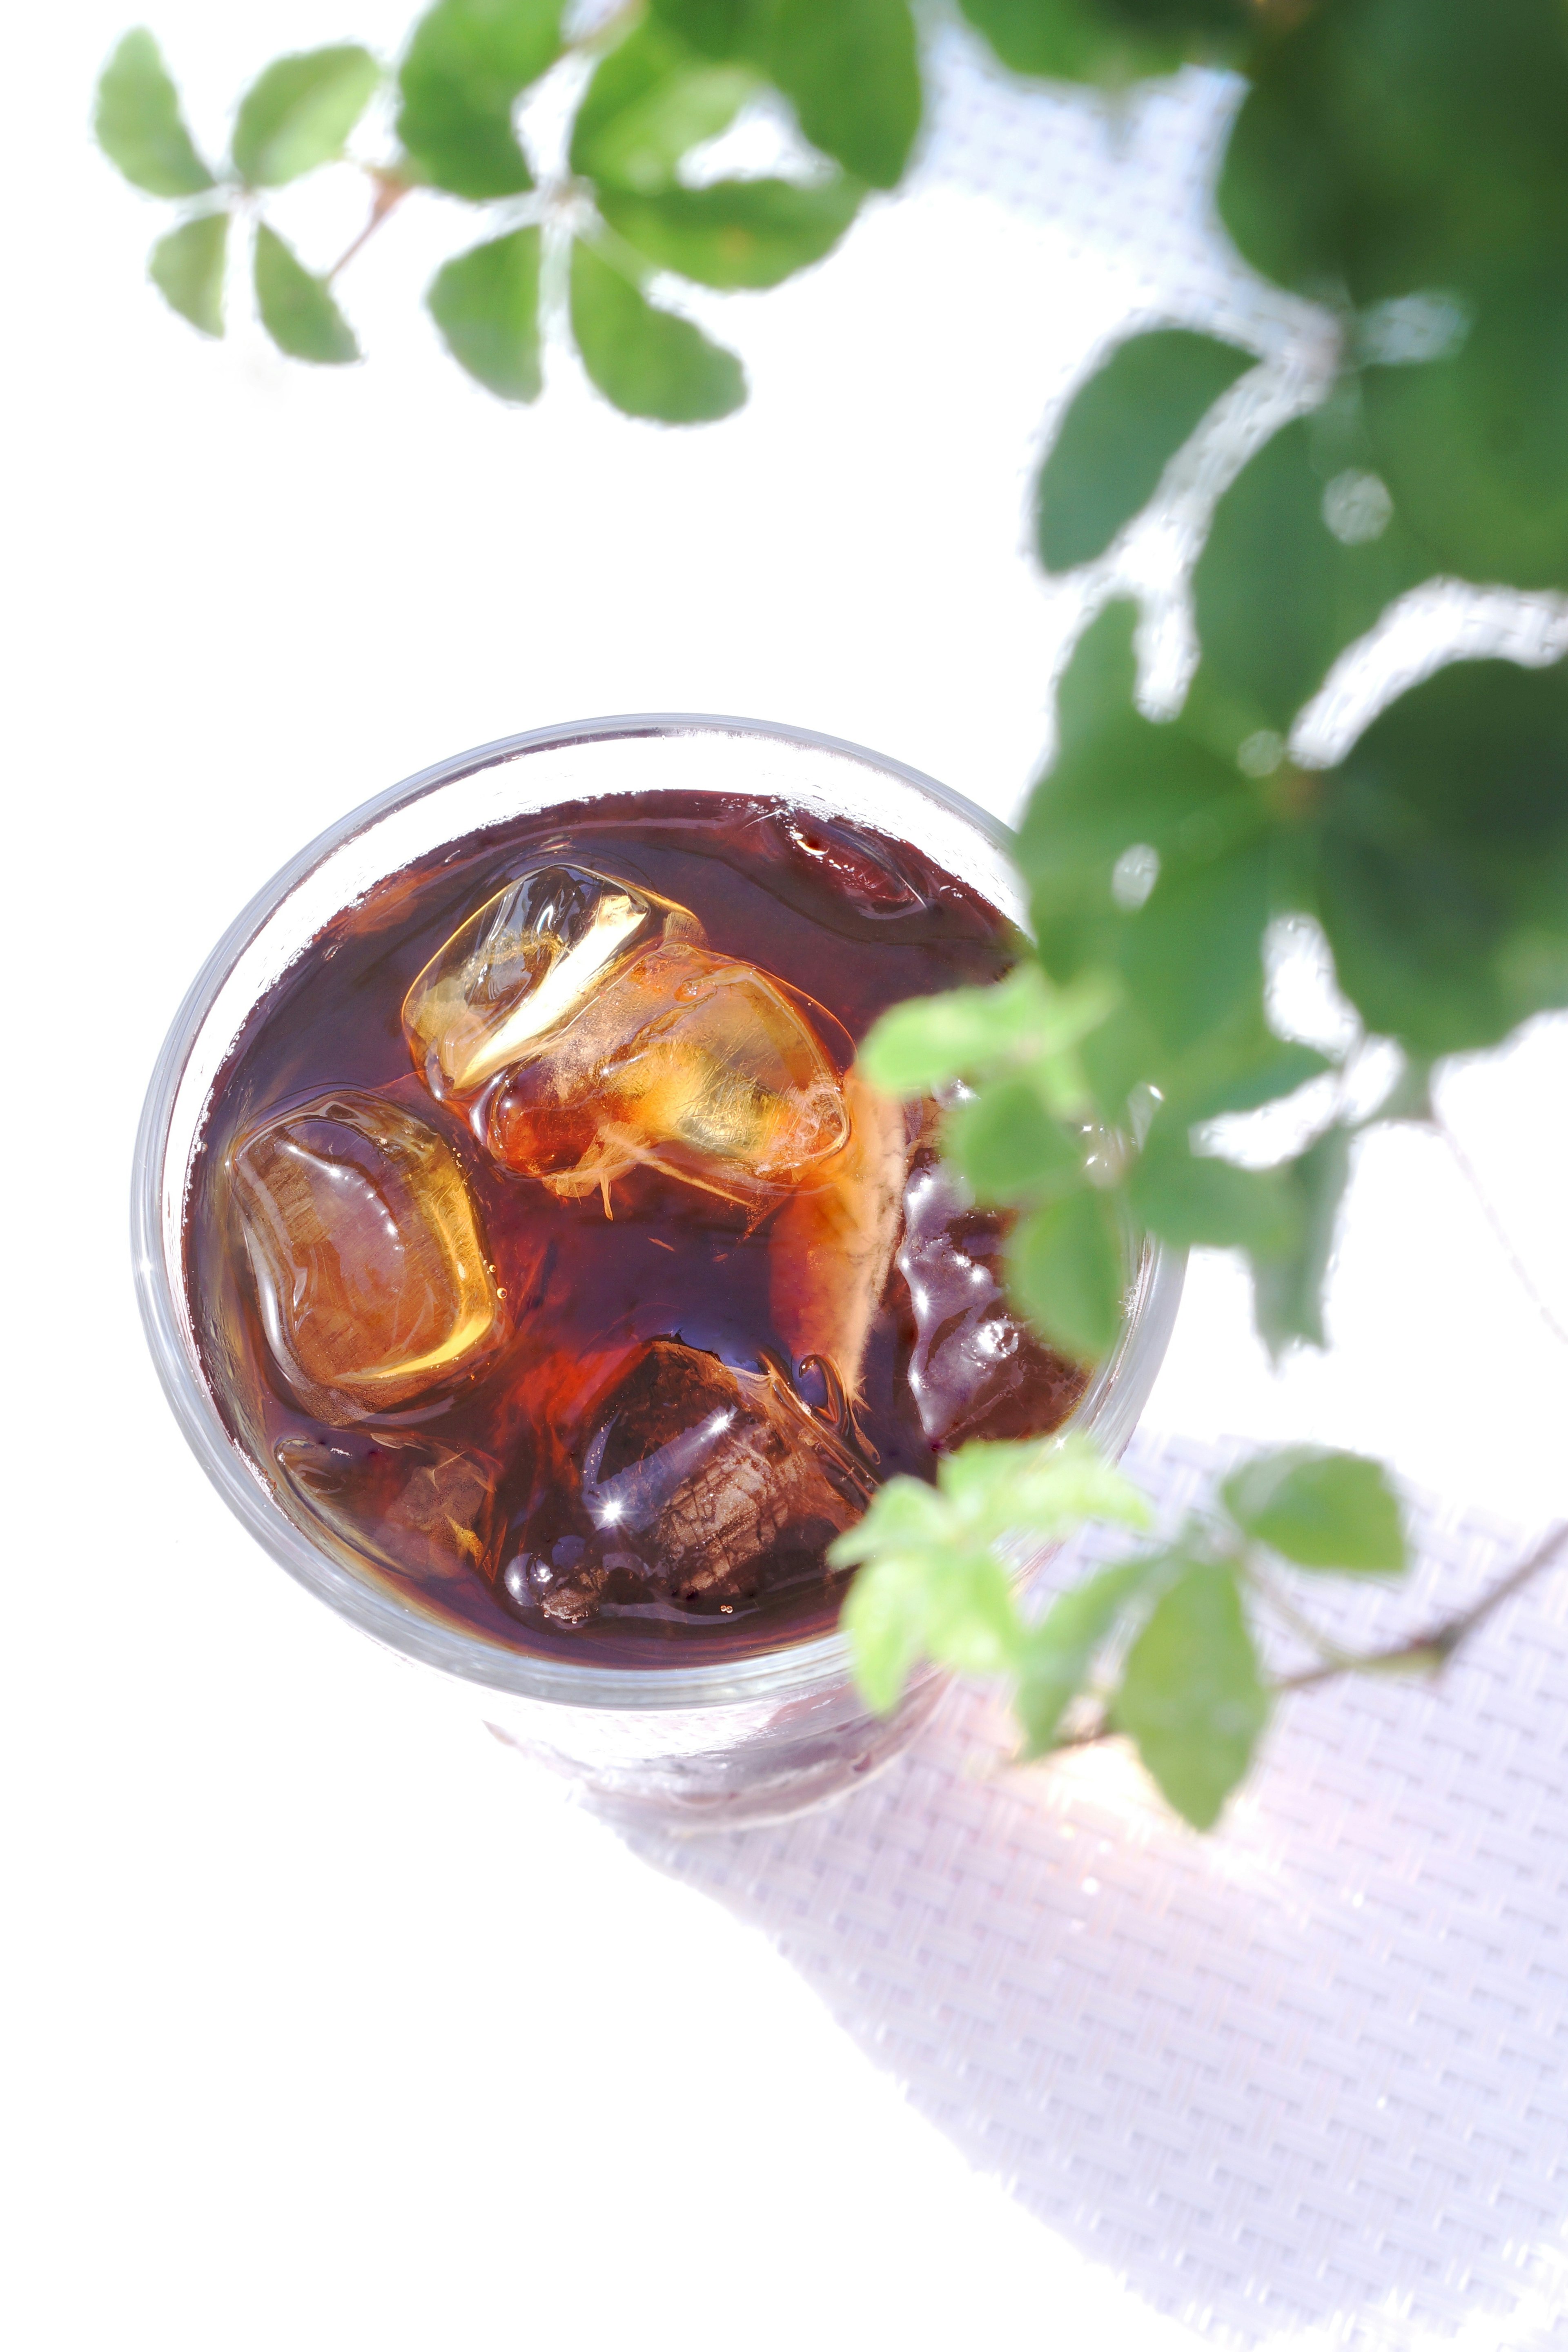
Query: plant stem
x=1469, y=1170
x=1300, y=1624
x=390, y=192
x=1421, y=1653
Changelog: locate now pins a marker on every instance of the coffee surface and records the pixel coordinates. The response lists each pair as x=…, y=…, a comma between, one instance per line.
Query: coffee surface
x=588, y=1330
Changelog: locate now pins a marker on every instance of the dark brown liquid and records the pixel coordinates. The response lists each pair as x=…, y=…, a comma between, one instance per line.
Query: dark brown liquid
x=852, y=921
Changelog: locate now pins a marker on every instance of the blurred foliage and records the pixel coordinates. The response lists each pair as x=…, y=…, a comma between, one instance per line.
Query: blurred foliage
x=1161, y=1646
x=1405, y=164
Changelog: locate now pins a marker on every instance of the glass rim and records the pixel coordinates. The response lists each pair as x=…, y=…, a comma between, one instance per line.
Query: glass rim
x=1108, y=1409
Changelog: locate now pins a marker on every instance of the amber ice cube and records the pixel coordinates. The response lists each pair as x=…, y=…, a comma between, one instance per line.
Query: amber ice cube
x=684, y=1060
x=522, y=964
x=366, y=1247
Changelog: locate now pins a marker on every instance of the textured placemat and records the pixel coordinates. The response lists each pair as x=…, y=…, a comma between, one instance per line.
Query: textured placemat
x=1305, y=2074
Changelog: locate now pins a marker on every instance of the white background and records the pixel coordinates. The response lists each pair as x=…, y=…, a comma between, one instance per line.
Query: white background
x=326, y=2025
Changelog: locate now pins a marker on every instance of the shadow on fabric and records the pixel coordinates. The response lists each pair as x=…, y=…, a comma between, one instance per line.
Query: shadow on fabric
x=1306, y=2073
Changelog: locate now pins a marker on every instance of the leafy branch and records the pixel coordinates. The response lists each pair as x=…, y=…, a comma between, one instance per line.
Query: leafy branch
x=659, y=85
x=936, y=1581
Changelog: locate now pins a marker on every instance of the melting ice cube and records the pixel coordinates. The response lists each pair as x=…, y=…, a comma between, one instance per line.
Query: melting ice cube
x=698, y=1484
x=977, y=1369
x=684, y=1060
x=526, y=963
x=406, y=1501
x=365, y=1246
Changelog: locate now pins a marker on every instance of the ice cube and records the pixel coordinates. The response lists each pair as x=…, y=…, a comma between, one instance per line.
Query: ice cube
x=406, y=1501
x=523, y=963
x=683, y=1060
x=368, y=1260
x=977, y=1369
x=699, y=1483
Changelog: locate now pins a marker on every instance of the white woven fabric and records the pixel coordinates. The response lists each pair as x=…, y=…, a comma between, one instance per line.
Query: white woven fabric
x=1305, y=2074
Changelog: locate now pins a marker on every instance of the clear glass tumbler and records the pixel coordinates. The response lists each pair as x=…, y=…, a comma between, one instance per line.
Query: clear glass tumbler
x=685, y=1745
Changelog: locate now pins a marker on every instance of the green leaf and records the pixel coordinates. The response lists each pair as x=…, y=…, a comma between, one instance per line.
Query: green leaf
x=931, y=1584
x=1474, y=444
x=972, y=1620
x=851, y=71
x=1442, y=876
x=297, y=309
x=1126, y=786
x=647, y=363
x=736, y=233
x=139, y=125
x=1009, y=1148
x=718, y=28
x=467, y=64
x=965, y=1032
x=884, y=1623
x=1389, y=145
x=1277, y=594
x=1236, y=1067
x=1320, y=1509
x=904, y=1518
x=1197, y=1203
x=1066, y=1270
x=1055, y=1655
x=1031, y=1486
x=1191, y=958
x=848, y=66
x=1192, y=1696
x=1112, y=42
x=485, y=304
x=1123, y=427
x=649, y=103
x=1239, y=1067
x=299, y=112
x=1097, y=686
x=187, y=269
x=1287, y=1278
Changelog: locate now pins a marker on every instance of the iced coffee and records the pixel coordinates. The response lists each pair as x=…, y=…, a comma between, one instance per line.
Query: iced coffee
x=553, y=1259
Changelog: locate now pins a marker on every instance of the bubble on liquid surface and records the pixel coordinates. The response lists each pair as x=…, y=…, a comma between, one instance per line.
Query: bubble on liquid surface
x=698, y=1485
x=365, y=1248
x=526, y=963
x=976, y=1369
x=684, y=1060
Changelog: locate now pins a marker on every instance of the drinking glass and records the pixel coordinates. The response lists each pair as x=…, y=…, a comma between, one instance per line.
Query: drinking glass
x=681, y=1744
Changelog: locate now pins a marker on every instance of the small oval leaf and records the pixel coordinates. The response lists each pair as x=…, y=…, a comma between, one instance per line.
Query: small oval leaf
x=1320, y=1509
x=851, y=69
x=1066, y=1270
x=737, y=232
x=1085, y=40
x=1192, y=1696
x=649, y=103
x=467, y=64
x=1009, y=1148
x=1196, y=1203
x=187, y=269
x=1120, y=434
x=645, y=361
x=485, y=304
x=1289, y=1274
x=297, y=309
x=298, y=113
x=139, y=125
